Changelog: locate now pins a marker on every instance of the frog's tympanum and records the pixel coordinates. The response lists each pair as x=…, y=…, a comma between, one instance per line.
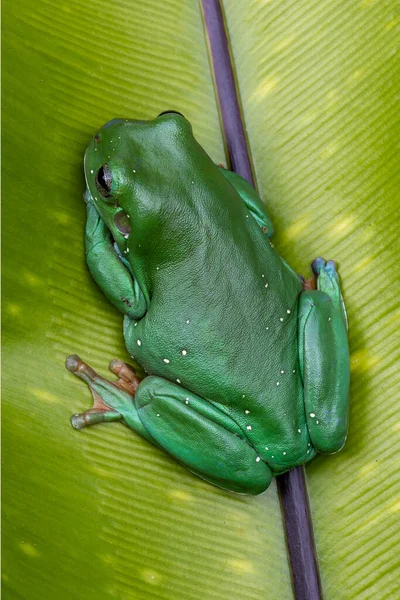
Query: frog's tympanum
x=247, y=363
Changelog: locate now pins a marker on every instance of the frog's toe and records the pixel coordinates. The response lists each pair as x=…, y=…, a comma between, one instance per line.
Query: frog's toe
x=78, y=421
x=75, y=365
x=127, y=375
x=322, y=268
x=317, y=265
x=72, y=363
x=331, y=268
x=93, y=416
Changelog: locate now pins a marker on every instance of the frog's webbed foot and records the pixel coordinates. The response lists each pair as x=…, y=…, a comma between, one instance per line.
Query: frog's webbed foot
x=108, y=396
x=322, y=267
x=327, y=281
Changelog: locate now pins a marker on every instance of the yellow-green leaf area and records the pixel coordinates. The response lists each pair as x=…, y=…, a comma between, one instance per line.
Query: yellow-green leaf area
x=320, y=89
x=101, y=513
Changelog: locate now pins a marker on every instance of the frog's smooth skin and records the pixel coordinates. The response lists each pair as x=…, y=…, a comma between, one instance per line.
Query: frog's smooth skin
x=248, y=372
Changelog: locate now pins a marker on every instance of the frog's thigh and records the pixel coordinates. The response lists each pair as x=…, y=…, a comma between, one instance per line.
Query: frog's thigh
x=325, y=367
x=251, y=199
x=107, y=270
x=200, y=437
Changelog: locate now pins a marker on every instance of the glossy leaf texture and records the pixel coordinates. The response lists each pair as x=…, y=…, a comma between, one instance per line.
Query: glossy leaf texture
x=101, y=513
x=320, y=89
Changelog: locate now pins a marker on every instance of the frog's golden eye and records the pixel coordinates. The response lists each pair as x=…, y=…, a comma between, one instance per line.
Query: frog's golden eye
x=104, y=181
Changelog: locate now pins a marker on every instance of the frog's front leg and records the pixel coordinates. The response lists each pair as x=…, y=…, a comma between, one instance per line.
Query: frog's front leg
x=107, y=269
x=251, y=199
x=201, y=437
x=324, y=359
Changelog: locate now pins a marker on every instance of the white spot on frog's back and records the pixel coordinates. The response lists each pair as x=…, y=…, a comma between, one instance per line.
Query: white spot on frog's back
x=312, y=415
x=258, y=459
x=248, y=427
x=166, y=360
x=139, y=342
x=184, y=352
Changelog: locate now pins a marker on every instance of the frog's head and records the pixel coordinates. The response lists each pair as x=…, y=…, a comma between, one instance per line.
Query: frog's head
x=133, y=168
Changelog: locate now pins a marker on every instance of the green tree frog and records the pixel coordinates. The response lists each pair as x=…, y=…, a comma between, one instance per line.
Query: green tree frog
x=247, y=369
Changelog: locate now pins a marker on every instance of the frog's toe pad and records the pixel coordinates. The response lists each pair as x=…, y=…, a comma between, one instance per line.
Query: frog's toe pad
x=320, y=265
x=75, y=365
x=72, y=363
x=317, y=265
x=78, y=421
x=330, y=268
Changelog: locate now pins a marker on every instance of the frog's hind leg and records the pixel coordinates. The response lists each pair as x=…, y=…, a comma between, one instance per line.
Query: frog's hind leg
x=201, y=437
x=324, y=359
x=111, y=399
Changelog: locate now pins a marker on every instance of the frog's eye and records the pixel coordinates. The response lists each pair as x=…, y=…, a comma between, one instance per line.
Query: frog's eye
x=104, y=181
x=171, y=112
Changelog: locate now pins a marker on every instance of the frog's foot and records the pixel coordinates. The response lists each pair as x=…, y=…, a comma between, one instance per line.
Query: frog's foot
x=108, y=396
x=328, y=282
x=323, y=268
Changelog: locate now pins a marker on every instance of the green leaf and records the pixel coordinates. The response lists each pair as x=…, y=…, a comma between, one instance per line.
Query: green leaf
x=100, y=513
x=320, y=89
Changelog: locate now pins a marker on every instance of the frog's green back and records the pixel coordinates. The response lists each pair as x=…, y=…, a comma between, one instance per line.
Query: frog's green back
x=223, y=312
